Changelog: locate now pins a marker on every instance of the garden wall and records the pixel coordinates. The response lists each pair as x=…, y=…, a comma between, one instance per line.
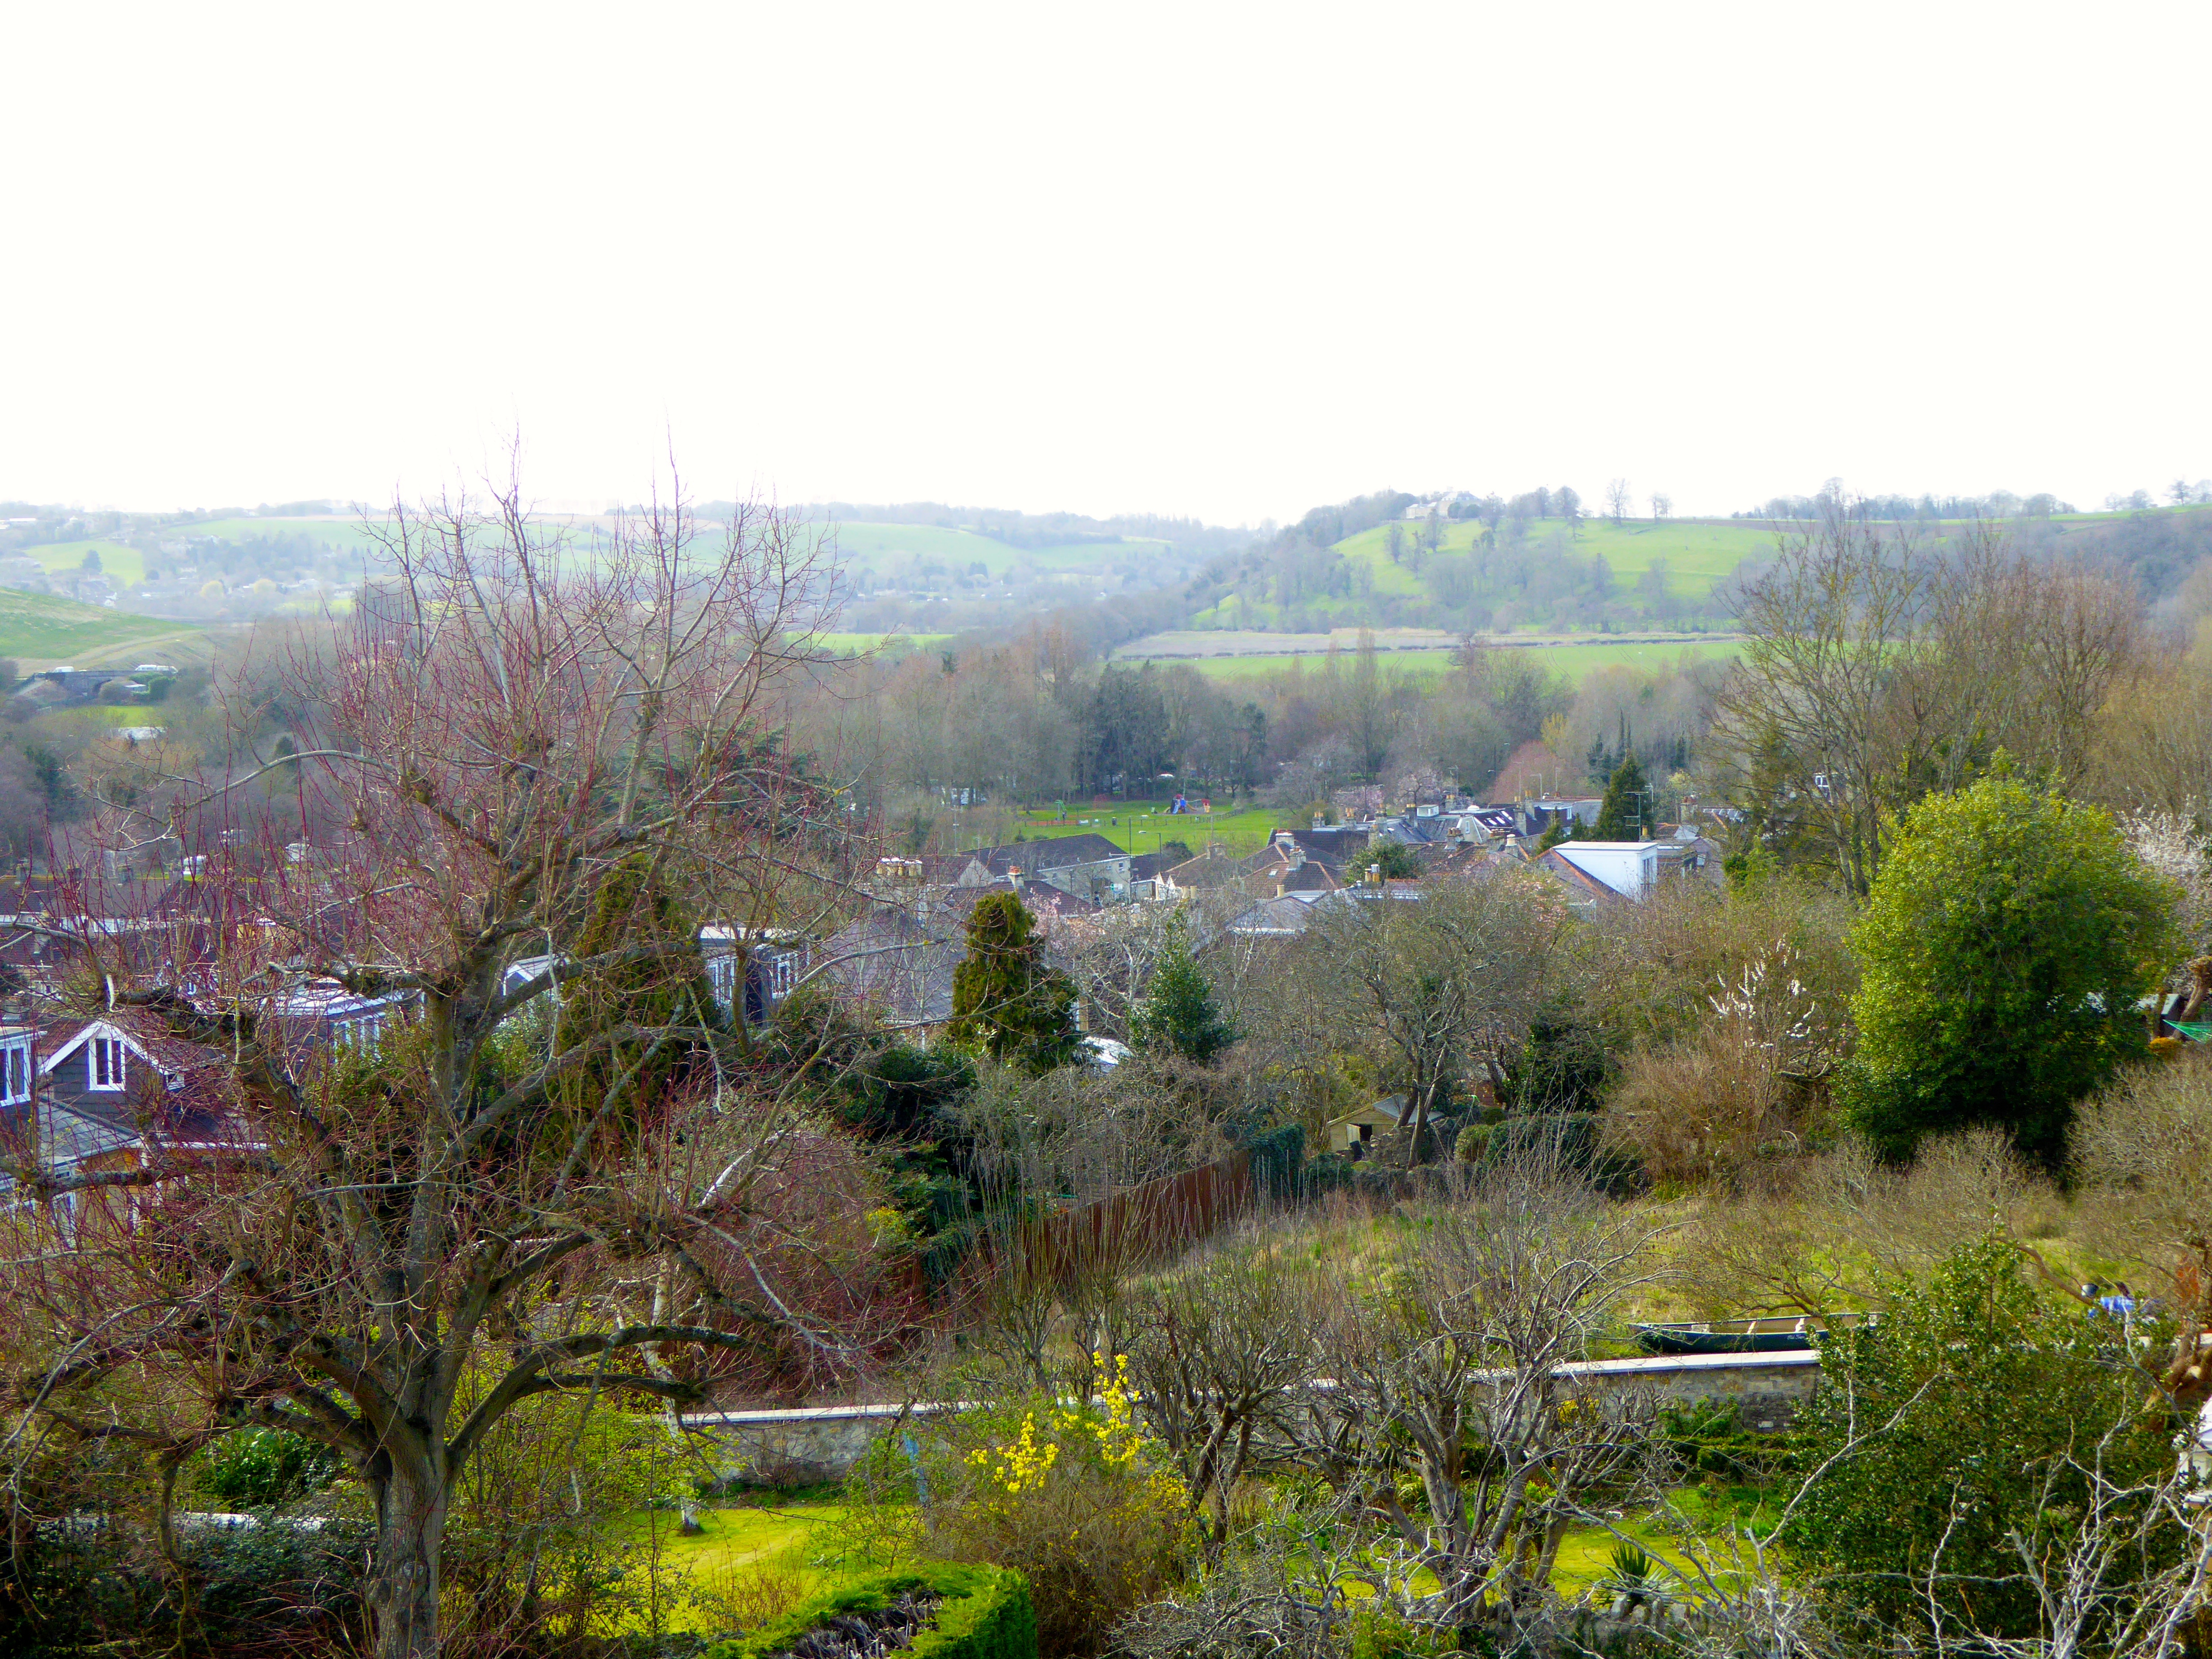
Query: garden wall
x=805, y=1446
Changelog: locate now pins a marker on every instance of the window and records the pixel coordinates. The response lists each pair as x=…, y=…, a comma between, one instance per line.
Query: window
x=361, y=1034
x=722, y=977
x=15, y=1072
x=107, y=1062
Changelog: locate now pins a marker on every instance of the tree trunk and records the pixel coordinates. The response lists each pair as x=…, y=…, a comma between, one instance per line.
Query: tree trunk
x=403, y=1590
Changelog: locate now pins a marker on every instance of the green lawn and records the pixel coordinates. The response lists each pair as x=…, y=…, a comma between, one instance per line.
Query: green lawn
x=118, y=563
x=1145, y=826
x=796, y=1550
x=41, y=630
x=773, y=1550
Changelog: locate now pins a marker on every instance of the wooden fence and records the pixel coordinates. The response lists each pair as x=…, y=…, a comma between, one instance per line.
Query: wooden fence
x=1144, y=1223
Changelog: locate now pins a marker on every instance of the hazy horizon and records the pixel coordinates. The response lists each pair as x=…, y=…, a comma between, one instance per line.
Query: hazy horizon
x=1213, y=265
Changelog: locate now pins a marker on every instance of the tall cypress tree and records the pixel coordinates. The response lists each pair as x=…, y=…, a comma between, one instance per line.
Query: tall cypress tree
x=1625, y=813
x=1007, y=1002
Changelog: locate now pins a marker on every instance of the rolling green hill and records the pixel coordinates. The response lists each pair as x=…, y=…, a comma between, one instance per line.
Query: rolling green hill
x=1577, y=662
x=1697, y=552
x=40, y=631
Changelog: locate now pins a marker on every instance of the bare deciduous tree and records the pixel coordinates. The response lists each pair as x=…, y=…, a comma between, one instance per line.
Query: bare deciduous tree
x=1877, y=667
x=1432, y=986
x=1217, y=1352
x=1618, y=502
x=1456, y=1366
x=552, y=762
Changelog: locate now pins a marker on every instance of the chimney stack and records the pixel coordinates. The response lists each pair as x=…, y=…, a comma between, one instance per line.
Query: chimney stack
x=1374, y=875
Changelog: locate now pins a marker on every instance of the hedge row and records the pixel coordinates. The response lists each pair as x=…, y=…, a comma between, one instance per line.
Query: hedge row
x=985, y=1614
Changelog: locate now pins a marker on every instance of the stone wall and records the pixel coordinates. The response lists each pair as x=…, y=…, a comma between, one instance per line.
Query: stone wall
x=806, y=1446
x=801, y=1447
x=1767, y=1388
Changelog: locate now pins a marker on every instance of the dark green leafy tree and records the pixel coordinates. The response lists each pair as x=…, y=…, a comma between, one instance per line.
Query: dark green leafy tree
x=2004, y=948
x=1959, y=1430
x=1625, y=813
x=1395, y=859
x=1007, y=1002
x=1180, y=1013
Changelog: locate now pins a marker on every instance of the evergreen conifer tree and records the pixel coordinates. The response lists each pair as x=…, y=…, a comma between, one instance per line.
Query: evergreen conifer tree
x=1006, y=1003
x=1179, y=1013
x=1624, y=814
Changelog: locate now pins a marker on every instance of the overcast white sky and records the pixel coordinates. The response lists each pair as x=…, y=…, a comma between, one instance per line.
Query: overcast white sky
x=1224, y=262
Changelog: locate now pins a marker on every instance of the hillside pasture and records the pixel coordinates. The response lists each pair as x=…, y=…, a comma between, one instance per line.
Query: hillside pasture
x=1577, y=661
x=1697, y=552
x=41, y=631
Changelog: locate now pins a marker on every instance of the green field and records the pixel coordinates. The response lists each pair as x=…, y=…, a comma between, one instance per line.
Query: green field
x=956, y=549
x=1576, y=661
x=40, y=630
x=1697, y=551
x=119, y=563
x=858, y=645
x=1146, y=826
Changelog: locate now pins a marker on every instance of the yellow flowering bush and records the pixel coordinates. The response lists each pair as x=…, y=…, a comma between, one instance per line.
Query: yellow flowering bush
x=1073, y=1492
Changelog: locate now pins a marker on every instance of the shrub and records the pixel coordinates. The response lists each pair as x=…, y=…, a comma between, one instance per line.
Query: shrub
x=986, y=1613
x=1568, y=1141
x=1473, y=1140
x=1078, y=1499
x=2000, y=1403
x=265, y=1468
x=1751, y=1080
x=2005, y=944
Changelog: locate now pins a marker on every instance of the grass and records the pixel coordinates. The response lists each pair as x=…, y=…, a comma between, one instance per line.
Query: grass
x=1577, y=662
x=1697, y=551
x=41, y=630
x=1146, y=826
x=795, y=1542
x=957, y=550
x=854, y=645
x=118, y=563
x=799, y=1546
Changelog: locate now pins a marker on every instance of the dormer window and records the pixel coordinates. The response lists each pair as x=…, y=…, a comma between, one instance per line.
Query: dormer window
x=106, y=1064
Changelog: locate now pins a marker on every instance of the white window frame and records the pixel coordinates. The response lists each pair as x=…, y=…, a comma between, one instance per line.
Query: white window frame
x=363, y=1033
x=107, y=1055
x=16, y=1072
x=722, y=977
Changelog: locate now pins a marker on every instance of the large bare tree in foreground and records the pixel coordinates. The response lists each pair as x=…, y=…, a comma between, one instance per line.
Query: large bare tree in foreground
x=555, y=1173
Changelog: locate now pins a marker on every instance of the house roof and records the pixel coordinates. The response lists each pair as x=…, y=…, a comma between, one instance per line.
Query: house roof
x=192, y=1105
x=1057, y=853
x=1334, y=848
x=1583, y=887
x=1387, y=1112
x=1274, y=916
x=96, y=1027
x=1214, y=867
